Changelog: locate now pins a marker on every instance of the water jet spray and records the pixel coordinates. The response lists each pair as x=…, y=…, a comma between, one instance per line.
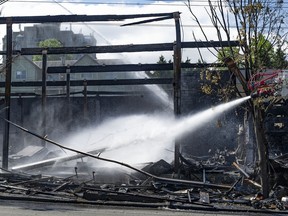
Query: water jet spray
x=143, y=137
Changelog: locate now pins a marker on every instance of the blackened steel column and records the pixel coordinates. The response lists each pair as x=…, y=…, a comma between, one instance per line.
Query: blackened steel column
x=9, y=57
x=177, y=85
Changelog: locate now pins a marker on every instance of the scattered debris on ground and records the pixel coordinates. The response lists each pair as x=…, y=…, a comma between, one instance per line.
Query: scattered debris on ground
x=204, y=183
x=214, y=182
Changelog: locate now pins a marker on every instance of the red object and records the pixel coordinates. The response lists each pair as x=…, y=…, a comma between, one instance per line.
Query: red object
x=264, y=83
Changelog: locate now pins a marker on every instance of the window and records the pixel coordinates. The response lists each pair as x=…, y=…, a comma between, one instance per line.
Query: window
x=21, y=75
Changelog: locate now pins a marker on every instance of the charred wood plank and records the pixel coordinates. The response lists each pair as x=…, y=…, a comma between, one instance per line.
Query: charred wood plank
x=76, y=18
x=94, y=82
x=110, y=68
x=124, y=68
x=122, y=48
x=113, y=196
x=52, y=161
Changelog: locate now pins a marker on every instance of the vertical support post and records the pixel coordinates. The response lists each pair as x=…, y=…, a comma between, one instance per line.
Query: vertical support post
x=68, y=70
x=20, y=102
x=97, y=108
x=44, y=93
x=68, y=78
x=85, y=108
x=177, y=85
x=9, y=53
x=21, y=133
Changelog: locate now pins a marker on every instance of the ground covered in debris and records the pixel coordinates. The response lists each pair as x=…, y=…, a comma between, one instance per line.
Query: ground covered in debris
x=212, y=184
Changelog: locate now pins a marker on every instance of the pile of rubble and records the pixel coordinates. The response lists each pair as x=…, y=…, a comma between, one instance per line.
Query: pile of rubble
x=217, y=182
x=203, y=183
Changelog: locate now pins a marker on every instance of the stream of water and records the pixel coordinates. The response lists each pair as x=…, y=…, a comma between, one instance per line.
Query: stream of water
x=144, y=137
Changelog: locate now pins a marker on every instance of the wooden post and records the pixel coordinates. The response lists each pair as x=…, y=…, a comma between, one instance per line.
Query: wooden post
x=68, y=70
x=85, y=108
x=9, y=56
x=177, y=85
x=44, y=93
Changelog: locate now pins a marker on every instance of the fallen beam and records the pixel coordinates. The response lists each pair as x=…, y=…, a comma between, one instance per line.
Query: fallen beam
x=52, y=161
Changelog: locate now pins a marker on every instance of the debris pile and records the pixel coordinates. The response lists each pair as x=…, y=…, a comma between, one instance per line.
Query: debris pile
x=206, y=183
x=216, y=182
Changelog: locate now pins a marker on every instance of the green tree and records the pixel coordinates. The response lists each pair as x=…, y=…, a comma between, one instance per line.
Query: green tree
x=161, y=74
x=279, y=60
x=51, y=42
x=268, y=56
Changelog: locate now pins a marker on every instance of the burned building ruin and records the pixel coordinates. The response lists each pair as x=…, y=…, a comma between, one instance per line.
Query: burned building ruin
x=64, y=96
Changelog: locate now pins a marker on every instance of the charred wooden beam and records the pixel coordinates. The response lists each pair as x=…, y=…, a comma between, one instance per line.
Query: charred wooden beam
x=7, y=84
x=124, y=68
x=52, y=161
x=177, y=57
x=122, y=48
x=149, y=21
x=116, y=196
x=111, y=68
x=93, y=82
x=76, y=18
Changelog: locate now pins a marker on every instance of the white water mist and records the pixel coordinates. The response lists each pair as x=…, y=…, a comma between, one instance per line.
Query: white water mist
x=146, y=137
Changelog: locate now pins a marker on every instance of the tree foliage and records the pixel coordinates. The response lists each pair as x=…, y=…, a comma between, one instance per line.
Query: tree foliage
x=268, y=57
x=51, y=42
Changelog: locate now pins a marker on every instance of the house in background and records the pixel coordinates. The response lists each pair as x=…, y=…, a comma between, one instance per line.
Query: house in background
x=32, y=35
